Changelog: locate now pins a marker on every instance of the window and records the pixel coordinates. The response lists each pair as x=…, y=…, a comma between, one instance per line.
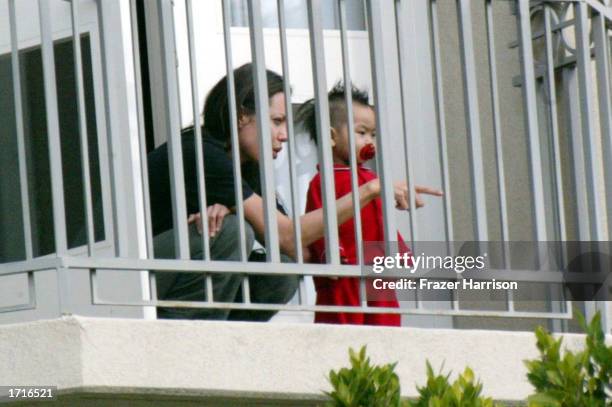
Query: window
x=296, y=14
x=37, y=156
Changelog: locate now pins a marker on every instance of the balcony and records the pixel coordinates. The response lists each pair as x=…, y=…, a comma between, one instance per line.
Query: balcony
x=505, y=106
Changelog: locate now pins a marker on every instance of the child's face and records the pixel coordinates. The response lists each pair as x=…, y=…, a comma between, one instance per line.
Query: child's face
x=365, y=132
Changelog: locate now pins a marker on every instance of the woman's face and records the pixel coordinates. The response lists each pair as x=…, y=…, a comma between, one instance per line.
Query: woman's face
x=247, y=130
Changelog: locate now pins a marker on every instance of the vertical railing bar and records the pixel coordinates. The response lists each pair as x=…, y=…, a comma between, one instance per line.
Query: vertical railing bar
x=93, y=290
x=472, y=115
x=497, y=130
x=246, y=290
x=209, y=289
x=55, y=148
x=531, y=120
x=266, y=169
x=530, y=108
x=142, y=148
x=64, y=290
x=441, y=122
x=31, y=290
x=609, y=52
x=231, y=91
x=550, y=66
x=173, y=126
x=417, y=299
x=609, y=44
x=293, y=176
x=570, y=94
x=403, y=65
x=348, y=97
x=455, y=301
x=585, y=87
x=106, y=126
x=324, y=144
x=585, y=90
x=375, y=31
x=142, y=144
x=21, y=151
x=197, y=131
x=302, y=294
x=499, y=152
x=554, y=126
x=78, y=69
x=141, y=129
x=152, y=285
x=602, y=59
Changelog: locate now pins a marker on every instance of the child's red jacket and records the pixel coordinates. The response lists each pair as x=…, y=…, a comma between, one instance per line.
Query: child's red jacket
x=345, y=290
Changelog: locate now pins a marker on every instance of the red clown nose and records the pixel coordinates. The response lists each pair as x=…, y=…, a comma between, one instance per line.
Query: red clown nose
x=367, y=152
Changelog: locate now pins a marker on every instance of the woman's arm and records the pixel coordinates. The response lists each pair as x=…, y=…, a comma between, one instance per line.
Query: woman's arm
x=312, y=223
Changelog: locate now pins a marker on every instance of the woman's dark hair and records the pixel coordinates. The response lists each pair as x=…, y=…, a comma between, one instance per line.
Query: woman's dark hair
x=306, y=114
x=216, y=107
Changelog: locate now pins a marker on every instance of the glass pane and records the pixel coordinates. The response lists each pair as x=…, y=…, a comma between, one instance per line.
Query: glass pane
x=37, y=155
x=297, y=15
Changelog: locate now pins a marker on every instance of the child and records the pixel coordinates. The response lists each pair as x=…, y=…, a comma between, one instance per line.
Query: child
x=345, y=290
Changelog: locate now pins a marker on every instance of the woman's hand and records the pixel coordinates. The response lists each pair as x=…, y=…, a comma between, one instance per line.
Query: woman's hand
x=215, y=214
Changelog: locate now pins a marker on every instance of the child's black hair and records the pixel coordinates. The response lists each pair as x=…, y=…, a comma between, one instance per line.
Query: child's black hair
x=337, y=108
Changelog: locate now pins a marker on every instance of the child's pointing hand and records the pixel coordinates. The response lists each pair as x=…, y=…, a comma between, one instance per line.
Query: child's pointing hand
x=421, y=189
x=402, y=196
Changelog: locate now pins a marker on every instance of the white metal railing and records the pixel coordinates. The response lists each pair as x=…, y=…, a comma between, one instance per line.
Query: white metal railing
x=586, y=13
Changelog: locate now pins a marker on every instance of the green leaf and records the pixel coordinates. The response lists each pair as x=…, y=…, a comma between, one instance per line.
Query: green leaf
x=364, y=384
x=542, y=400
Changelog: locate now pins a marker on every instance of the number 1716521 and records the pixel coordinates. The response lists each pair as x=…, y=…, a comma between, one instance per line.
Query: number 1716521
x=30, y=392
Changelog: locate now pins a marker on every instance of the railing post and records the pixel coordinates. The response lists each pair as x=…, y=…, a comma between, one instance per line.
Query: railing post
x=173, y=128
x=21, y=150
x=322, y=116
x=410, y=97
x=434, y=37
x=472, y=116
x=122, y=138
x=117, y=108
x=233, y=117
x=589, y=134
x=53, y=131
x=587, y=100
x=266, y=170
x=531, y=120
x=379, y=80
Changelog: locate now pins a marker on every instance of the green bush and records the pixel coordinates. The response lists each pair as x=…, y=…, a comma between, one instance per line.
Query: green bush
x=573, y=379
x=364, y=385
x=439, y=392
x=561, y=379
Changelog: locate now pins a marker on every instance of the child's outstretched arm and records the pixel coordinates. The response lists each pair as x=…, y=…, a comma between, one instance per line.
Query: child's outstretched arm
x=312, y=223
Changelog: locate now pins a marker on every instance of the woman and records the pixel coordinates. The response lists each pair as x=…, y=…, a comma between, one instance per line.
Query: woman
x=224, y=244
